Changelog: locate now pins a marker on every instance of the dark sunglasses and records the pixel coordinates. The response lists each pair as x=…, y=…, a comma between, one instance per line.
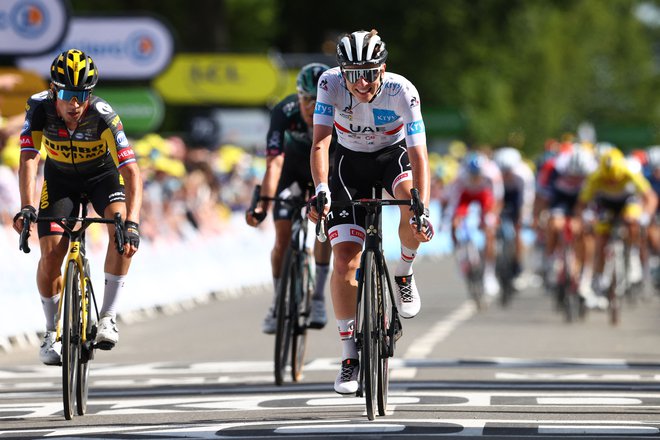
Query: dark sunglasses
x=68, y=95
x=369, y=75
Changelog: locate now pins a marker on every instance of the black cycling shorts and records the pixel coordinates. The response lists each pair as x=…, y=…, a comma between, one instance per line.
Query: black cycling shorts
x=295, y=180
x=61, y=194
x=354, y=176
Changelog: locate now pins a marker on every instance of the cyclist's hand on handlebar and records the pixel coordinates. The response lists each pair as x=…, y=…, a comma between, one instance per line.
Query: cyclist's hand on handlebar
x=426, y=232
x=317, y=211
x=28, y=212
x=254, y=217
x=131, y=238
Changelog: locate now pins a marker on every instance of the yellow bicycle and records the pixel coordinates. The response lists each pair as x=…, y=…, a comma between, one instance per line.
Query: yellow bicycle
x=75, y=328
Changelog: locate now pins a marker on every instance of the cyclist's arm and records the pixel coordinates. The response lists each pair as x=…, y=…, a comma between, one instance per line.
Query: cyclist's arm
x=27, y=179
x=319, y=156
x=419, y=162
x=271, y=178
x=133, y=189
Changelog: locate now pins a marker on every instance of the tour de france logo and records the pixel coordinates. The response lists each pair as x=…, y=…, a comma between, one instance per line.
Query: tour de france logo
x=29, y=19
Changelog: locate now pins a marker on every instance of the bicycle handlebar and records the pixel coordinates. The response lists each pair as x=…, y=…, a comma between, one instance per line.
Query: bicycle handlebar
x=64, y=222
x=415, y=203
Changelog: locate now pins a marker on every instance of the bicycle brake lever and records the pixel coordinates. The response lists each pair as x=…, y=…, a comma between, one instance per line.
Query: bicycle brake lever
x=119, y=234
x=321, y=200
x=25, y=235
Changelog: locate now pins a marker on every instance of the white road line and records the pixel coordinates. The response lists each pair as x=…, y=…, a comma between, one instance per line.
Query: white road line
x=423, y=346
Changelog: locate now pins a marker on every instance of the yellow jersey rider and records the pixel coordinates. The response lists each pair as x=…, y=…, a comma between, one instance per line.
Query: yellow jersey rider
x=618, y=192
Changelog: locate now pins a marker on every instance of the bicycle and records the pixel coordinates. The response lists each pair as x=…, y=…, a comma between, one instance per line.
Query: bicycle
x=294, y=294
x=470, y=262
x=75, y=328
x=617, y=265
x=568, y=298
x=506, y=259
x=377, y=322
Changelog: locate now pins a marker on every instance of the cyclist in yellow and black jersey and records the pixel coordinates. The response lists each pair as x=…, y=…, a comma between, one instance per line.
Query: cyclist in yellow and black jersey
x=88, y=156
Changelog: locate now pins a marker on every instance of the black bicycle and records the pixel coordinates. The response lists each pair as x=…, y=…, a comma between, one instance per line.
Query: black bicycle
x=505, y=261
x=75, y=327
x=295, y=292
x=377, y=322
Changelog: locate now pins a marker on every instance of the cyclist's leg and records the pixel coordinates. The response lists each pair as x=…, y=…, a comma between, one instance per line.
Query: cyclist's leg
x=322, y=253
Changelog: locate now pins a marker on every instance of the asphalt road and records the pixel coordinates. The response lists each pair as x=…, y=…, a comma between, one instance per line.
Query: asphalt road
x=206, y=372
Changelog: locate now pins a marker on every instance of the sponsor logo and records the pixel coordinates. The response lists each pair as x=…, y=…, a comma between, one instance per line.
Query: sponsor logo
x=121, y=139
x=357, y=233
x=61, y=132
x=400, y=177
x=29, y=19
x=414, y=102
x=323, y=109
x=87, y=151
x=382, y=116
x=54, y=227
x=43, y=203
x=348, y=110
x=125, y=154
x=324, y=84
x=26, y=126
x=26, y=141
x=415, y=127
x=115, y=121
x=116, y=197
x=141, y=46
x=333, y=235
x=103, y=108
x=38, y=97
x=343, y=214
x=79, y=136
x=392, y=89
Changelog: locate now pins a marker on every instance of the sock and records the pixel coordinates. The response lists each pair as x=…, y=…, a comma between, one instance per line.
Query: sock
x=404, y=267
x=50, y=306
x=349, y=350
x=113, y=285
x=276, y=288
x=322, y=271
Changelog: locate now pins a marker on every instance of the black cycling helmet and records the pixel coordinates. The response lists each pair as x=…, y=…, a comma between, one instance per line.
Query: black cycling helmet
x=360, y=48
x=74, y=70
x=308, y=78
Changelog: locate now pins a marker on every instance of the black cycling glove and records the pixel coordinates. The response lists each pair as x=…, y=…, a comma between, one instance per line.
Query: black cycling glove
x=132, y=233
x=28, y=212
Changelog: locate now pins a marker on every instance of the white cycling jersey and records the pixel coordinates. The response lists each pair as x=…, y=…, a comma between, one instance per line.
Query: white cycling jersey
x=393, y=115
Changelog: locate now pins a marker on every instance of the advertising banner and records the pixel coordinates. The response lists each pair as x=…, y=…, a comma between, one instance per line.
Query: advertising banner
x=123, y=48
x=230, y=79
x=141, y=109
x=31, y=27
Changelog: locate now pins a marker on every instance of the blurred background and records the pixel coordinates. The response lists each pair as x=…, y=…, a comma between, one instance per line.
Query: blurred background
x=193, y=83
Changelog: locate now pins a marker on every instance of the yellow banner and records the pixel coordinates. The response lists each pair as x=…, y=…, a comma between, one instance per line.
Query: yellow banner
x=16, y=87
x=228, y=79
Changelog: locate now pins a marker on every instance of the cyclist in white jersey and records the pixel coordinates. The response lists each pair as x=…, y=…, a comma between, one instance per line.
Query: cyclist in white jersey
x=381, y=141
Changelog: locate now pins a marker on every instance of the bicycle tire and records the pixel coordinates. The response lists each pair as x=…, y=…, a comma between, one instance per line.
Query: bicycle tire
x=284, y=328
x=300, y=309
x=385, y=350
x=82, y=379
x=70, y=352
x=370, y=341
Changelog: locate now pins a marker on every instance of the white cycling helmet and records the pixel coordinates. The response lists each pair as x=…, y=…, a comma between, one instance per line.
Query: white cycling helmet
x=507, y=158
x=360, y=48
x=654, y=156
x=580, y=161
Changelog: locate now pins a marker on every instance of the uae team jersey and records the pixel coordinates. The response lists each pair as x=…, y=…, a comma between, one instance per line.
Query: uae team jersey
x=97, y=144
x=392, y=116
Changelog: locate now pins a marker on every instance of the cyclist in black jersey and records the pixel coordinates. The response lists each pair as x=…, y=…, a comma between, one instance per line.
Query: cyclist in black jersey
x=288, y=174
x=88, y=156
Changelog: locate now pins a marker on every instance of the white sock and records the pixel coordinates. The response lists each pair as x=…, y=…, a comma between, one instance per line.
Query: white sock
x=346, y=327
x=50, y=306
x=322, y=271
x=113, y=285
x=404, y=266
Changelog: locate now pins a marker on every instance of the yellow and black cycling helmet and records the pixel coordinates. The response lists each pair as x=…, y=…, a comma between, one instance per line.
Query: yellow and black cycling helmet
x=74, y=70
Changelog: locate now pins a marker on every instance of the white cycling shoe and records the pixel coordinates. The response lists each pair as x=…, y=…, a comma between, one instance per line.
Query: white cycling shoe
x=48, y=352
x=407, y=297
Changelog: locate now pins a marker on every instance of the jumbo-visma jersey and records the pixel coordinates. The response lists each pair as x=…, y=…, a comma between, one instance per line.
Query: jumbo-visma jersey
x=393, y=115
x=95, y=145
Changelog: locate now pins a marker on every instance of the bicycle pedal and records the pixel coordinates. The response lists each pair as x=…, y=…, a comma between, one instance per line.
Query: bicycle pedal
x=104, y=345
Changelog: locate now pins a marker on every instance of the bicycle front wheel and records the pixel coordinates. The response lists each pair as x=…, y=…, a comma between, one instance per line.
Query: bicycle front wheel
x=370, y=341
x=385, y=338
x=284, y=329
x=300, y=313
x=82, y=384
x=70, y=337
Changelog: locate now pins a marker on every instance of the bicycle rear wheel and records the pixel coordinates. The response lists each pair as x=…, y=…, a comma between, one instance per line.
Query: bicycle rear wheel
x=300, y=313
x=70, y=337
x=284, y=329
x=370, y=347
